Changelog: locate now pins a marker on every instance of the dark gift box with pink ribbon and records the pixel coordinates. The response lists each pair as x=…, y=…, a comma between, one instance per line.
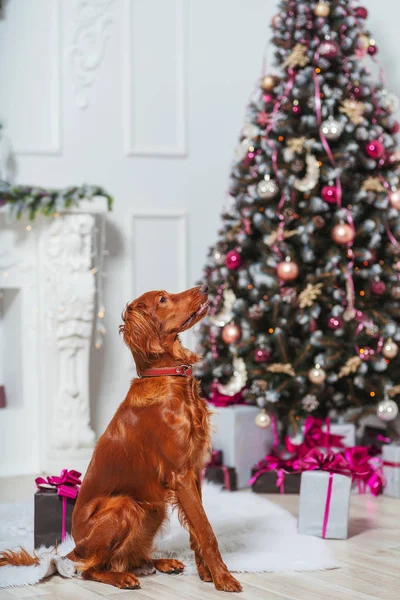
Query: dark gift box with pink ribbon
x=273, y=475
x=216, y=472
x=54, y=504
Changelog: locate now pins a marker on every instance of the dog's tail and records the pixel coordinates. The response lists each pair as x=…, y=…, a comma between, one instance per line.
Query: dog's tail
x=22, y=558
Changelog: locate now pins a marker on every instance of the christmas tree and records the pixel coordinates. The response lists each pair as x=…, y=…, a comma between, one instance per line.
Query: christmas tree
x=304, y=278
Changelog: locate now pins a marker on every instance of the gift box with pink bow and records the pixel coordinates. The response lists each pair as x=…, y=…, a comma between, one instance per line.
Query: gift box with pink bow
x=324, y=495
x=54, y=504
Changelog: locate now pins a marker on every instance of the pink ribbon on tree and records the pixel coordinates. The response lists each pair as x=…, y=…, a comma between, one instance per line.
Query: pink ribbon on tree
x=67, y=486
x=333, y=463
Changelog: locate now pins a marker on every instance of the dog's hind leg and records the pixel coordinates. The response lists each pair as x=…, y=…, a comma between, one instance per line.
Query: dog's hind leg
x=110, y=542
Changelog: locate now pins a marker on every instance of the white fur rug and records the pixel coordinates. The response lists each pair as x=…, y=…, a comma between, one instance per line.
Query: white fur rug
x=254, y=535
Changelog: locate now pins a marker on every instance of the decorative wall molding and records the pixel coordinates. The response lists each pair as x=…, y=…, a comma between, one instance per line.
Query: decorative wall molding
x=172, y=276
x=182, y=239
x=92, y=31
x=132, y=147
x=70, y=291
x=55, y=37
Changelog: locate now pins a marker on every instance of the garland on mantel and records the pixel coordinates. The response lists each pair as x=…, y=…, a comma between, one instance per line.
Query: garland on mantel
x=48, y=202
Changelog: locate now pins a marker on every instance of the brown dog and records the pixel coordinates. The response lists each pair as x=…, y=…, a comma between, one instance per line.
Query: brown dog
x=151, y=454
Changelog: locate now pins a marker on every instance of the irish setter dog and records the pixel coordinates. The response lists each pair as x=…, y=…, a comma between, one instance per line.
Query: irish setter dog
x=151, y=455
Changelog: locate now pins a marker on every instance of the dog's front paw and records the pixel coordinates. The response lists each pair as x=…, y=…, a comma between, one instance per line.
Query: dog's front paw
x=168, y=565
x=227, y=583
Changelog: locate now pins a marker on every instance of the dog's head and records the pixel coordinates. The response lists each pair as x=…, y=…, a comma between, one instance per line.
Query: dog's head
x=152, y=322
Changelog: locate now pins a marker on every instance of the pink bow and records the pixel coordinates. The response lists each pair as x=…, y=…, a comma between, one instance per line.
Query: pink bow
x=67, y=486
x=315, y=460
x=274, y=463
x=219, y=399
x=366, y=471
x=314, y=437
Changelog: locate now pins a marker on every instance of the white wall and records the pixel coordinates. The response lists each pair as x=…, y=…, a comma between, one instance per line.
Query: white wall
x=167, y=83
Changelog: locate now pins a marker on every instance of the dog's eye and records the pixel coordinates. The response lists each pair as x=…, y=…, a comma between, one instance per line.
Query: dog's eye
x=162, y=299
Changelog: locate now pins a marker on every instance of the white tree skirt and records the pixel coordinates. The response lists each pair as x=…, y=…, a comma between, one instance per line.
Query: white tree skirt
x=254, y=534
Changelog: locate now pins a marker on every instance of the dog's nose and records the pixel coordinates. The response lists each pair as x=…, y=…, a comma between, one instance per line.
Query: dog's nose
x=203, y=289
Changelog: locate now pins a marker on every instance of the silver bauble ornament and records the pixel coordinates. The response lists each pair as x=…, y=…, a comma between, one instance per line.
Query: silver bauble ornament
x=263, y=420
x=219, y=258
x=390, y=349
x=387, y=410
x=317, y=375
x=332, y=129
x=267, y=189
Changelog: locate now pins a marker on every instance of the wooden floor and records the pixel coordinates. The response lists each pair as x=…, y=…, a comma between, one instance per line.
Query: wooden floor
x=370, y=559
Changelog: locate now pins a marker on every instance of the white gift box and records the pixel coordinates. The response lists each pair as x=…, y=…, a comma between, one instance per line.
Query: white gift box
x=313, y=504
x=243, y=443
x=391, y=454
x=347, y=430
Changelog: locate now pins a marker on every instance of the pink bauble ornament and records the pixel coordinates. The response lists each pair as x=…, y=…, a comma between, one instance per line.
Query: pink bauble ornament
x=268, y=98
x=231, y=333
x=395, y=127
x=366, y=353
x=343, y=234
x=361, y=12
x=357, y=92
x=296, y=110
x=261, y=355
x=329, y=194
x=335, y=323
x=233, y=260
x=328, y=49
x=394, y=199
x=287, y=270
x=372, y=50
x=378, y=288
x=374, y=149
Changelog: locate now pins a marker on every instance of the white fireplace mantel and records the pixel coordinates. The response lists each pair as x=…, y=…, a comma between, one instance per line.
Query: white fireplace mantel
x=47, y=281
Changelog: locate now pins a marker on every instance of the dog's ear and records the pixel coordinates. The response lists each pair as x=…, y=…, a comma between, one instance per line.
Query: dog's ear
x=140, y=332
